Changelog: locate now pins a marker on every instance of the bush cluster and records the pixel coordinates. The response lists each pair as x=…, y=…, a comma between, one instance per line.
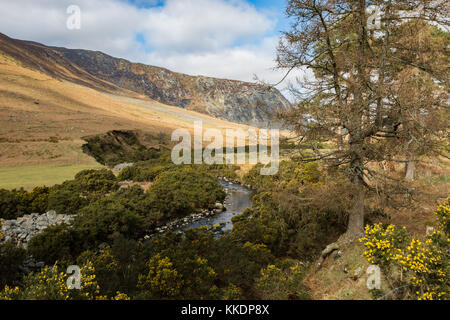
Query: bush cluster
x=424, y=264
x=16, y=203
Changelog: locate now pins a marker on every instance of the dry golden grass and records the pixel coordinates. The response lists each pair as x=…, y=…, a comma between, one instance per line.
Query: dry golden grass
x=335, y=279
x=35, y=107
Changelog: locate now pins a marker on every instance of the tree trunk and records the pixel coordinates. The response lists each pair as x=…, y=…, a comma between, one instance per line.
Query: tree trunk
x=410, y=168
x=355, y=225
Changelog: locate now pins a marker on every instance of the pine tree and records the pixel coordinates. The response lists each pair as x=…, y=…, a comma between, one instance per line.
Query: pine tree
x=378, y=91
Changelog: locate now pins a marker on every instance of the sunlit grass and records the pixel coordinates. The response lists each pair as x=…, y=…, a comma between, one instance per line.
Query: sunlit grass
x=32, y=176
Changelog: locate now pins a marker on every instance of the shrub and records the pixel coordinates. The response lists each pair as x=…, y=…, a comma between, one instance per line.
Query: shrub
x=88, y=185
x=181, y=191
x=38, y=199
x=13, y=203
x=50, y=284
x=162, y=279
x=16, y=203
x=290, y=176
x=381, y=243
x=100, y=220
x=11, y=258
x=443, y=215
x=286, y=225
x=219, y=170
x=145, y=171
x=65, y=201
x=56, y=243
x=96, y=181
x=207, y=272
x=281, y=282
x=425, y=264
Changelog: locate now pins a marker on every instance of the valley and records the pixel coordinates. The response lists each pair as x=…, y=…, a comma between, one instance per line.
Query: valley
x=349, y=200
x=44, y=116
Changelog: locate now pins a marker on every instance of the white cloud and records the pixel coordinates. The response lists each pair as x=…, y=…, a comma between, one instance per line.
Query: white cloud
x=218, y=38
x=199, y=25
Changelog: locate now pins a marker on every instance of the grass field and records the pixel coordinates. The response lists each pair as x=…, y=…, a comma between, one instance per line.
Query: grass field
x=32, y=176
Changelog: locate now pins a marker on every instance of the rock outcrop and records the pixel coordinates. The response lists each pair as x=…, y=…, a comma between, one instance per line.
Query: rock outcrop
x=236, y=101
x=22, y=229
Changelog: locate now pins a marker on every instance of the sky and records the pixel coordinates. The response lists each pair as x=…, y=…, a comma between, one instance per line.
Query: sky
x=234, y=39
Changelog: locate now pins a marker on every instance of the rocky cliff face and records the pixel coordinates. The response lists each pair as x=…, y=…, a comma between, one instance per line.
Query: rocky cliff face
x=231, y=100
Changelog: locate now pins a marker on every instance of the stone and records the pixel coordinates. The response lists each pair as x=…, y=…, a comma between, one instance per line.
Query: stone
x=122, y=166
x=326, y=252
x=22, y=229
x=357, y=273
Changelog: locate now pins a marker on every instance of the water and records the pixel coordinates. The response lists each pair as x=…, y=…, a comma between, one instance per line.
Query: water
x=238, y=199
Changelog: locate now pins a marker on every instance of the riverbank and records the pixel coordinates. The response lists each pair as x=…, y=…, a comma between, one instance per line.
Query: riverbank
x=219, y=219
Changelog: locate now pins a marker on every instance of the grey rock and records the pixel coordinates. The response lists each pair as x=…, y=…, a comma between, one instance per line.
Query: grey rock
x=22, y=229
x=357, y=272
x=122, y=166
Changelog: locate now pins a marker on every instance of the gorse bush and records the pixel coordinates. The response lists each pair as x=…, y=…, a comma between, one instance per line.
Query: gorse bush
x=66, y=202
x=162, y=280
x=143, y=171
x=16, y=203
x=382, y=242
x=150, y=169
x=290, y=176
x=13, y=203
x=37, y=199
x=283, y=282
x=11, y=258
x=88, y=185
x=424, y=264
x=194, y=267
x=443, y=215
x=51, y=284
x=182, y=190
x=57, y=243
x=96, y=181
x=105, y=217
x=287, y=226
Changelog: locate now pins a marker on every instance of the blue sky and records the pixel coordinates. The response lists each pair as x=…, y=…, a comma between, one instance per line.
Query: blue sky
x=233, y=39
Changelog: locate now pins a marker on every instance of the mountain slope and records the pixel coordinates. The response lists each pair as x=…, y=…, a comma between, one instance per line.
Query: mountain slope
x=235, y=101
x=48, y=104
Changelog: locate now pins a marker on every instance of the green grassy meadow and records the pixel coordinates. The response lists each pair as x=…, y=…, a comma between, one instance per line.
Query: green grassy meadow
x=29, y=177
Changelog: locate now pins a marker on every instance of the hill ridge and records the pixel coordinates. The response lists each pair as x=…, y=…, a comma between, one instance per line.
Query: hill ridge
x=232, y=100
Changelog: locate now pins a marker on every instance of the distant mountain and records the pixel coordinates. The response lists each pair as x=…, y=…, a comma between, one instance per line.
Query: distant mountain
x=231, y=100
x=235, y=101
x=50, y=106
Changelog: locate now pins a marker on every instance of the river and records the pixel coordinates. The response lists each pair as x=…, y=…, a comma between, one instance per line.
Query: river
x=237, y=200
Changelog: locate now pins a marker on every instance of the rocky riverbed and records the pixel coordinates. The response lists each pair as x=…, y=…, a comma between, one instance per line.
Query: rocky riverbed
x=237, y=200
x=218, y=219
x=181, y=223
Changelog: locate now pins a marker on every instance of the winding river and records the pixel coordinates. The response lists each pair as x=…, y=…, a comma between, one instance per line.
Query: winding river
x=237, y=200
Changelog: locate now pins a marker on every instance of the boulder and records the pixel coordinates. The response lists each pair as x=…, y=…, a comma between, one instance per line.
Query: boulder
x=22, y=229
